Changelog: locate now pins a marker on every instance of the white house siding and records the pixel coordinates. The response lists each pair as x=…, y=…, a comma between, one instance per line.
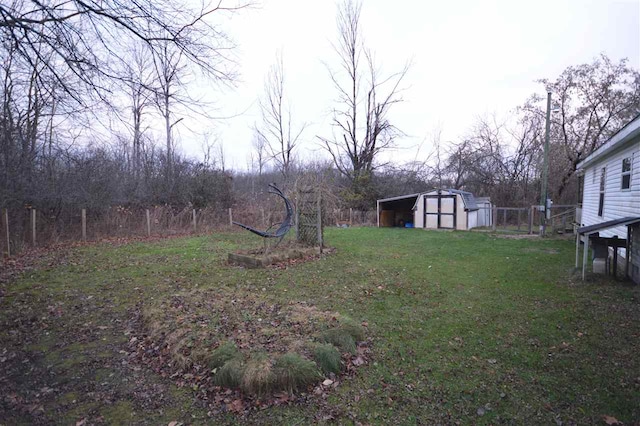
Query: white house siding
x=617, y=202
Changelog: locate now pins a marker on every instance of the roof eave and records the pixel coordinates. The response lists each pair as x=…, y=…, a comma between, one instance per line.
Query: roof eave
x=624, y=135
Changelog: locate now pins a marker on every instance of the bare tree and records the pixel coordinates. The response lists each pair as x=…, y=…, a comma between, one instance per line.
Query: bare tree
x=139, y=85
x=435, y=160
x=259, y=152
x=595, y=100
x=85, y=37
x=276, y=129
x=169, y=72
x=361, y=123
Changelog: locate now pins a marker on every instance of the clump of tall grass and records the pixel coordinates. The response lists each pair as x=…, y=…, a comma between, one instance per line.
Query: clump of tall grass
x=258, y=375
x=291, y=372
x=230, y=375
x=222, y=354
x=327, y=357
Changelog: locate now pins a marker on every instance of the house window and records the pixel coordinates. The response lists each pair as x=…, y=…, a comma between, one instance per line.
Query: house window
x=601, y=201
x=626, y=173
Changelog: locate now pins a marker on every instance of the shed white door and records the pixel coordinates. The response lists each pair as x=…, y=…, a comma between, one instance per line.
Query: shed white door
x=440, y=211
x=431, y=213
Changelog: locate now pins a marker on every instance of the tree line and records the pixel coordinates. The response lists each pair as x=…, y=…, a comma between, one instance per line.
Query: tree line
x=93, y=94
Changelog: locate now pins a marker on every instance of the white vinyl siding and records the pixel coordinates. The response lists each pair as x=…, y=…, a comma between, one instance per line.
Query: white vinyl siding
x=617, y=202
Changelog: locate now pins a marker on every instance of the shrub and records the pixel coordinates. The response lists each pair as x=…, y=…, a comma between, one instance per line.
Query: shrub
x=327, y=357
x=291, y=371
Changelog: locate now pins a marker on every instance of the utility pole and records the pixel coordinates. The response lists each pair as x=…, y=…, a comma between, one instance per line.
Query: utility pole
x=545, y=170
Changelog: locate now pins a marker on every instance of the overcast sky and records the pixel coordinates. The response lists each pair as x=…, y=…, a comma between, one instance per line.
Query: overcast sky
x=469, y=58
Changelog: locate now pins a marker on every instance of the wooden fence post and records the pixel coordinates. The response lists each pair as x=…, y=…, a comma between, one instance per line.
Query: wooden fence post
x=350, y=216
x=264, y=219
x=531, y=213
x=6, y=228
x=494, y=218
x=148, y=224
x=319, y=224
x=230, y=217
x=84, y=224
x=33, y=227
x=194, y=220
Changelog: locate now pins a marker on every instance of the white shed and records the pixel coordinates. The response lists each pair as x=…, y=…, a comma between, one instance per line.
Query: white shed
x=485, y=213
x=611, y=191
x=436, y=209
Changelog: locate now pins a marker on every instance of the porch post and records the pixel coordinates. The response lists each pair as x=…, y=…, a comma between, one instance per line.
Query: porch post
x=627, y=256
x=584, y=255
x=577, y=248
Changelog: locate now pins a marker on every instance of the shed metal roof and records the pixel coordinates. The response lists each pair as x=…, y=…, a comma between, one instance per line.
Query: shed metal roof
x=400, y=197
x=623, y=221
x=467, y=197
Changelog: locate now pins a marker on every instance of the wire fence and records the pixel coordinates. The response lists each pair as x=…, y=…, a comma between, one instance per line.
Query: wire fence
x=351, y=217
x=30, y=227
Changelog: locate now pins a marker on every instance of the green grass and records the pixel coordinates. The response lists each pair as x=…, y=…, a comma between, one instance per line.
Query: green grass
x=457, y=321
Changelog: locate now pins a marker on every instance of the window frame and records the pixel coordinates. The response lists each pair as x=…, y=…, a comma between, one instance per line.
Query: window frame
x=624, y=173
x=602, y=187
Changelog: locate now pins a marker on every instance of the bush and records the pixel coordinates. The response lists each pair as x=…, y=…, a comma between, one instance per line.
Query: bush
x=291, y=371
x=327, y=357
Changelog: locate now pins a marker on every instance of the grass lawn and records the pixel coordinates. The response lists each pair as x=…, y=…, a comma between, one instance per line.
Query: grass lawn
x=464, y=328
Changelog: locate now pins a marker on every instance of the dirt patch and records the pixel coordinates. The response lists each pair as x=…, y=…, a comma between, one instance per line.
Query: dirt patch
x=517, y=236
x=285, y=254
x=541, y=250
